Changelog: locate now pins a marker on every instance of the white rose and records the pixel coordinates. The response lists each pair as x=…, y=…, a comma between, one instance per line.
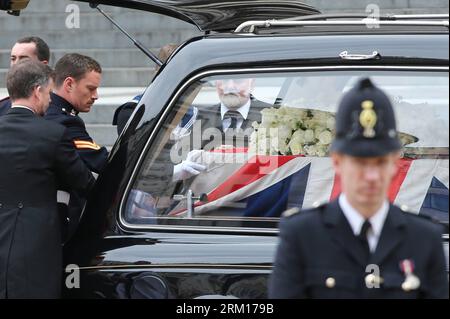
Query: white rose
x=284, y=132
x=321, y=150
x=299, y=136
x=309, y=136
x=278, y=139
x=310, y=150
x=253, y=147
x=317, y=131
x=311, y=124
x=330, y=123
x=278, y=146
x=264, y=146
x=296, y=147
x=262, y=133
x=292, y=122
x=283, y=148
x=325, y=137
x=269, y=117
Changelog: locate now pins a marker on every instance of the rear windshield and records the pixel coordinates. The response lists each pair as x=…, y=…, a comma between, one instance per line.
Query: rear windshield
x=271, y=152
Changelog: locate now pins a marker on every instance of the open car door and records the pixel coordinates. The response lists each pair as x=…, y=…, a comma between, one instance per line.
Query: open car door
x=217, y=15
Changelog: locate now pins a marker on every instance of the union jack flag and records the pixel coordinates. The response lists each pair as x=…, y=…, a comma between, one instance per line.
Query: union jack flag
x=265, y=186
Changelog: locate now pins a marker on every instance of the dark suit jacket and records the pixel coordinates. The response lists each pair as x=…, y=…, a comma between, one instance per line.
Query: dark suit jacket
x=319, y=244
x=34, y=154
x=210, y=117
x=94, y=156
x=62, y=112
x=5, y=105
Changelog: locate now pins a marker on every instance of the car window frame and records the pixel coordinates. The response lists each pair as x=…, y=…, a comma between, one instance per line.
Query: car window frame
x=125, y=226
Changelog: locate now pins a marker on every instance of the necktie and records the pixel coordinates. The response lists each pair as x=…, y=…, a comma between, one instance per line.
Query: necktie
x=363, y=237
x=235, y=116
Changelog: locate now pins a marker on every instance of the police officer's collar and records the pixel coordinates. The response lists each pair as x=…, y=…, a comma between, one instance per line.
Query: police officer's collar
x=332, y=215
x=63, y=104
x=356, y=220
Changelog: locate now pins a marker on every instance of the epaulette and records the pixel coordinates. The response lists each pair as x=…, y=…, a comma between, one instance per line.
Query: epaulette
x=72, y=113
x=291, y=212
x=405, y=209
x=295, y=210
x=318, y=204
x=86, y=145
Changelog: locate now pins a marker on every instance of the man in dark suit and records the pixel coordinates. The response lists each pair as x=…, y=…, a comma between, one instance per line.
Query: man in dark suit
x=200, y=130
x=360, y=246
x=33, y=48
x=228, y=123
x=34, y=154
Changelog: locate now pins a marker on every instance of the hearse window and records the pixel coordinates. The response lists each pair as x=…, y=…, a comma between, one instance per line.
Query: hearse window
x=244, y=148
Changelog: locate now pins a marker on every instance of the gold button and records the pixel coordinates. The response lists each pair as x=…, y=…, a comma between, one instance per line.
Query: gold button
x=330, y=282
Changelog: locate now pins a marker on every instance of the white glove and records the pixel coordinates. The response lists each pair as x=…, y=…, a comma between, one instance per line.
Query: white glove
x=189, y=167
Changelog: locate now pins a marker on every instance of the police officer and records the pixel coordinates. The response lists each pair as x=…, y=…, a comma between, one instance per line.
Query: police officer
x=77, y=78
x=360, y=245
x=33, y=48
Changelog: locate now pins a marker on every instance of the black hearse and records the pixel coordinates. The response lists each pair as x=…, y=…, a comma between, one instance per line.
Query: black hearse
x=144, y=234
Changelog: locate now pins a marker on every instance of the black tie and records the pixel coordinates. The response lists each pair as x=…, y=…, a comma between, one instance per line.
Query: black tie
x=234, y=116
x=363, y=237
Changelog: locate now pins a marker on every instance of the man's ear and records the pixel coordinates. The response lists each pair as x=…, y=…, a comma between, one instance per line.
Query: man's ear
x=68, y=84
x=336, y=161
x=37, y=91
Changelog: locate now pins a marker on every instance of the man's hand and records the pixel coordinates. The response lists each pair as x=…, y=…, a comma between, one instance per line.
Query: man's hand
x=189, y=167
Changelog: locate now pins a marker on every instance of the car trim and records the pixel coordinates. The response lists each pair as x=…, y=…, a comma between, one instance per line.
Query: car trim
x=125, y=226
x=369, y=22
x=177, y=266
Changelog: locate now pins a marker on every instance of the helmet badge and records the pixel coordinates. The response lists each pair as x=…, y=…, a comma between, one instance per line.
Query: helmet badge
x=368, y=119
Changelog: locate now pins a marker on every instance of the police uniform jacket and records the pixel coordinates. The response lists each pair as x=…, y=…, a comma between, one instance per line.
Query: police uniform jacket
x=94, y=156
x=34, y=153
x=62, y=112
x=320, y=257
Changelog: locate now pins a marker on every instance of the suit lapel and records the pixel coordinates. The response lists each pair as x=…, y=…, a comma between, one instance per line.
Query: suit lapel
x=210, y=117
x=341, y=231
x=254, y=115
x=392, y=235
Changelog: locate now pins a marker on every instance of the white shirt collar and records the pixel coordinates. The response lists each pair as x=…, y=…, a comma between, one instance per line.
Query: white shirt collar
x=356, y=220
x=23, y=107
x=243, y=109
